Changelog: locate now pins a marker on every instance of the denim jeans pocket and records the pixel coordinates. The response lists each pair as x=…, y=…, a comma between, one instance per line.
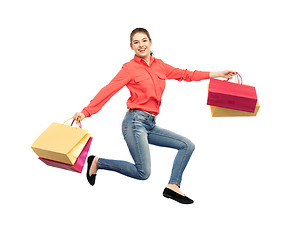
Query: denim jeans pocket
x=141, y=116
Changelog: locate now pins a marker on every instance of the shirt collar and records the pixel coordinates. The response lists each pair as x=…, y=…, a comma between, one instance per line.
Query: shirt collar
x=139, y=60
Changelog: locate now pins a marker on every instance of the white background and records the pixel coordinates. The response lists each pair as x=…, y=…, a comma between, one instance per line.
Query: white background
x=56, y=55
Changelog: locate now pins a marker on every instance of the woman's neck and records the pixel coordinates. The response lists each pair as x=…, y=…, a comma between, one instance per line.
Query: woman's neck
x=146, y=59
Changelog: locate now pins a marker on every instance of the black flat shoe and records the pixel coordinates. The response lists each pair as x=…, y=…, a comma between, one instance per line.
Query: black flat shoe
x=168, y=193
x=91, y=179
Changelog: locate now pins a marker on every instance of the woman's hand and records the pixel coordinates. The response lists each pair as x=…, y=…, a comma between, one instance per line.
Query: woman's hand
x=79, y=116
x=223, y=74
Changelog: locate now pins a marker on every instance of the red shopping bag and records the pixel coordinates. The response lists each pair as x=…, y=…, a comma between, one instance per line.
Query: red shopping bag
x=230, y=95
x=79, y=164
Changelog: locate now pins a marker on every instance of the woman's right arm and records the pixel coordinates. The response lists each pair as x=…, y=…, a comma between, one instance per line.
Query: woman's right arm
x=78, y=116
x=103, y=96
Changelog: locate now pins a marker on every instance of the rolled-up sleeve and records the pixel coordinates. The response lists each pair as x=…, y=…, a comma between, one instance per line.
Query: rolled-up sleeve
x=184, y=74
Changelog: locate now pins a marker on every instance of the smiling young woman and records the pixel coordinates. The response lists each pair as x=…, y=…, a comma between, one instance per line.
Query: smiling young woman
x=141, y=43
x=145, y=77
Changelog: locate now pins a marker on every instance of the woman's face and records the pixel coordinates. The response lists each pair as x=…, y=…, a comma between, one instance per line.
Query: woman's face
x=141, y=45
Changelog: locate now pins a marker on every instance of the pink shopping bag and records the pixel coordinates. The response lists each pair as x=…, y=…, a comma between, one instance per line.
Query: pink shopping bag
x=79, y=164
x=230, y=95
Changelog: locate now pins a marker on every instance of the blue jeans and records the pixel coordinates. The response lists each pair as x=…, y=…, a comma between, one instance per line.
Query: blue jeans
x=139, y=130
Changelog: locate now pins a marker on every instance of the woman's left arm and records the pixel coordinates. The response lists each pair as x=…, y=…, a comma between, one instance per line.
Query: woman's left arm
x=188, y=76
x=222, y=74
x=183, y=74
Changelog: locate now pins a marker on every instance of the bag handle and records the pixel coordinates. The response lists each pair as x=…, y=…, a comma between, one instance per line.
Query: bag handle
x=78, y=123
x=238, y=78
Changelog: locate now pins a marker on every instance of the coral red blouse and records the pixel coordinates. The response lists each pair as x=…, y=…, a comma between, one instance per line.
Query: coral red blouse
x=145, y=83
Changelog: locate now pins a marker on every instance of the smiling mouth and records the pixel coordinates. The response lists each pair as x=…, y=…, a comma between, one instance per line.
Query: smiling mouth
x=142, y=50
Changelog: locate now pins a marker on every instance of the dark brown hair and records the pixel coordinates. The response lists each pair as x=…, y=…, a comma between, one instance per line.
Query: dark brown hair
x=139, y=30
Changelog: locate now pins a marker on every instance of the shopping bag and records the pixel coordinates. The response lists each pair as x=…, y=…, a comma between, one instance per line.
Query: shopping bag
x=79, y=164
x=61, y=143
x=225, y=112
x=230, y=95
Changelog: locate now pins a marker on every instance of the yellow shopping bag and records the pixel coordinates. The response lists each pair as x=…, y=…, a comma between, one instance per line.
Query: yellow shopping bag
x=225, y=112
x=62, y=143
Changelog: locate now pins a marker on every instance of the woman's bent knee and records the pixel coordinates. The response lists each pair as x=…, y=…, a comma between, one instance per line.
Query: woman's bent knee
x=144, y=175
x=191, y=146
x=188, y=145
